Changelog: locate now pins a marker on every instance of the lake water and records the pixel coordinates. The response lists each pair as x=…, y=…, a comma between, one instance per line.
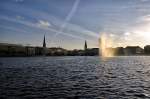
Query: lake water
x=75, y=78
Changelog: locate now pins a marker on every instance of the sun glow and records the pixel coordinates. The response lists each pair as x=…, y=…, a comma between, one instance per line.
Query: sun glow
x=139, y=35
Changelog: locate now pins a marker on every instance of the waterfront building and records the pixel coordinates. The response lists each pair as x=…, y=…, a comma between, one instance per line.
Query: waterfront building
x=57, y=51
x=11, y=50
x=38, y=51
x=133, y=50
x=119, y=51
x=93, y=51
x=147, y=49
x=30, y=51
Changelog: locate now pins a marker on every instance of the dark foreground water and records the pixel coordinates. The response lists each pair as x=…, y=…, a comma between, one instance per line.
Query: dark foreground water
x=75, y=78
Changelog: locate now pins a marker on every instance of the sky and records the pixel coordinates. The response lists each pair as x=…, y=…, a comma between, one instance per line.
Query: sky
x=68, y=23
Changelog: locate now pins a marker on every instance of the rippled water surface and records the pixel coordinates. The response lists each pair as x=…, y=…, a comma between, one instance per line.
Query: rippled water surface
x=75, y=78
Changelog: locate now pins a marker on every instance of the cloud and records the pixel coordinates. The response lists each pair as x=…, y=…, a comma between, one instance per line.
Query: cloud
x=69, y=16
x=127, y=33
x=34, y=25
x=19, y=17
x=43, y=24
x=112, y=35
x=143, y=0
x=19, y=0
x=145, y=18
x=139, y=33
x=55, y=22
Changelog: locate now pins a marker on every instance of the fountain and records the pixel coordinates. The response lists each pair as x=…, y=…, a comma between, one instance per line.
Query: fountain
x=105, y=46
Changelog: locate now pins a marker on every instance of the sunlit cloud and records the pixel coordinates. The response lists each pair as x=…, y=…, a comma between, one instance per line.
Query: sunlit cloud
x=44, y=24
x=145, y=18
x=127, y=33
x=139, y=33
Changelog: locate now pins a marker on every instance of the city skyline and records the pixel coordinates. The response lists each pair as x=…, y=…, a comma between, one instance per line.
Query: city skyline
x=68, y=23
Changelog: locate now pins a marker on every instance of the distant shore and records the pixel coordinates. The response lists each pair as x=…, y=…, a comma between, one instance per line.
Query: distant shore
x=14, y=50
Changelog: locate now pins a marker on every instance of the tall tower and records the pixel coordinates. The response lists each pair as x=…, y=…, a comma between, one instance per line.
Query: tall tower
x=44, y=43
x=85, y=46
x=44, y=46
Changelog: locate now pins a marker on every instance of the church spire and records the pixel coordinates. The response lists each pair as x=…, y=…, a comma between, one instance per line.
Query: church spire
x=44, y=46
x=44, y=43
x=85, y=46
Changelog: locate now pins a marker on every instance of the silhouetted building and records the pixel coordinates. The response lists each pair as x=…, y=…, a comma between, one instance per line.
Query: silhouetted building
x=3, y=50
x=147, y=49
x=57, y=51
x=119, y=51
x=76, y=52
x=133, y=50
x=30, y=51
x=39, y=51
x=11, y=50
x=92, y=52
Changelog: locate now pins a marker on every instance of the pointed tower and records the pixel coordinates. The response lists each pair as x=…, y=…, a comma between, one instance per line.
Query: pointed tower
x=44, y=43
x=44, y=46
x=85, y=46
